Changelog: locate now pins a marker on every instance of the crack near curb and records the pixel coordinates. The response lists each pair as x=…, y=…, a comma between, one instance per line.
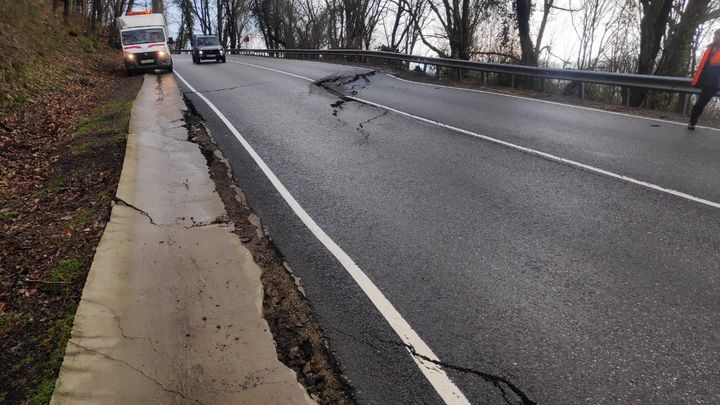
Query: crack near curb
x=120, y=201
x=121, y=329
x=158, y=383
x=221, y=220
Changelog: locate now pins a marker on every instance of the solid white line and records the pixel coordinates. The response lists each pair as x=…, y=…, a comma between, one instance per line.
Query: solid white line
x=545, y=101
x=437, y=377
x=547, y=155
x=273, y=70
x=521, y=148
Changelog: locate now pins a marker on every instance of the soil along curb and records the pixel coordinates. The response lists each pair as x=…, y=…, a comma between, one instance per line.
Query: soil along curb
x=172, y=307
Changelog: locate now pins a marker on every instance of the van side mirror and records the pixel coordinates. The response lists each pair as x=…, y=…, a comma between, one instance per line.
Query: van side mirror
x=171, y=41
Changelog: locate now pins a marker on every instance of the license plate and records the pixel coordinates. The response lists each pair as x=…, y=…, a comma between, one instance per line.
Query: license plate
x=146, y=61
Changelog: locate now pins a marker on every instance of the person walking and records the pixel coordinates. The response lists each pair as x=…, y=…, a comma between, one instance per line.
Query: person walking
x=706, y=78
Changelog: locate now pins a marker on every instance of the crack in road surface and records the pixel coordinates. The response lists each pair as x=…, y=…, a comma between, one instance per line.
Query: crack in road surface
x=337, y=106
x=139, y=371
x=361, y=126
x=222, y=89
x=496, y=380
x=336, y=83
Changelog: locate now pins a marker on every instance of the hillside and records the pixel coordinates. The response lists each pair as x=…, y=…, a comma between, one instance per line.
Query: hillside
x=64, y=111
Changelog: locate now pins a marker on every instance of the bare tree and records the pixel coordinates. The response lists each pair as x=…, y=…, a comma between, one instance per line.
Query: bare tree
x=201, y=9
x=459, y=20
x=403, y=33
x=311, y=24
x=275, y=19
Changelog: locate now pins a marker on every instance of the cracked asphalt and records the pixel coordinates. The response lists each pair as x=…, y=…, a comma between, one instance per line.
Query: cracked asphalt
x=531, y=280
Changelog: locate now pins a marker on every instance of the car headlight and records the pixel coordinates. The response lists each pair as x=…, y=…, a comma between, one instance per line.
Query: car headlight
x=222, y=51
x=162, y=53
x=129, y=56
x=201, y=52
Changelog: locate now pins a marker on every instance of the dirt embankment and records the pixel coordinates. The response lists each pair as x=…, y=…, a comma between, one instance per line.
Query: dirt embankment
x=64, y=112
x=299, y=339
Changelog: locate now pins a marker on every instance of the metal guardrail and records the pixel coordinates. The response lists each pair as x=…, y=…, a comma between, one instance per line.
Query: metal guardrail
x=623, y=80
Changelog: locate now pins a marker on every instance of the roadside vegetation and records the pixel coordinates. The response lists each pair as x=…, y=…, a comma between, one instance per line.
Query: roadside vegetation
x=64, y=113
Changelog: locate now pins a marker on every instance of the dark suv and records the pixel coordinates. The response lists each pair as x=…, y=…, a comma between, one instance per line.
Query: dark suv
x=207, y=47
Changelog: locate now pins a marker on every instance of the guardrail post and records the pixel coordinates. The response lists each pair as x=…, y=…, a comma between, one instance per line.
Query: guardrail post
x=512, y=81
x=582, y=90
x=542, y=85
x=484, y=78
x=627, y=96
x=686, y=103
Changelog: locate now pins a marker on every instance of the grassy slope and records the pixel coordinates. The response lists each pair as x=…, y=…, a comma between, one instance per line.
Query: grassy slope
x=64, y=111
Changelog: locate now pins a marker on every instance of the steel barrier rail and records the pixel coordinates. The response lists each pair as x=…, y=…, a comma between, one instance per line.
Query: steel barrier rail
x=624, y=80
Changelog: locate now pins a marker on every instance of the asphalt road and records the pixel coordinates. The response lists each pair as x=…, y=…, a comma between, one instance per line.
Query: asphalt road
x=576, y=287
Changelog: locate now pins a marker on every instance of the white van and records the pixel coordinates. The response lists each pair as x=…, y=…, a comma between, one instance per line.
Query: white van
x=144, y=40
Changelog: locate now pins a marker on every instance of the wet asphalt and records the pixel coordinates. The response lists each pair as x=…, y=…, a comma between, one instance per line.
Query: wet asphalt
x=574, y=286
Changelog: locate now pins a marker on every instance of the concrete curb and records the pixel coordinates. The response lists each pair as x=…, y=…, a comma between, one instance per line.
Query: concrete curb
x=172, y=308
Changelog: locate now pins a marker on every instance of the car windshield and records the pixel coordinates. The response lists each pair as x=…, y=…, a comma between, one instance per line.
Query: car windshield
x=207, y=41
x=144, y=36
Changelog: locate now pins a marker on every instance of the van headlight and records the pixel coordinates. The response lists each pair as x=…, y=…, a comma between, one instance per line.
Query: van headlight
x=162, y=53
x=129, y=56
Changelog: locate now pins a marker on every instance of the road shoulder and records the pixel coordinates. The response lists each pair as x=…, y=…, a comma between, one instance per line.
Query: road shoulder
x=172, y=307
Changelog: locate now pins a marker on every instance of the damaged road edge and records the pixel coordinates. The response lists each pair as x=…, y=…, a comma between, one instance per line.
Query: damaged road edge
x=300, y=343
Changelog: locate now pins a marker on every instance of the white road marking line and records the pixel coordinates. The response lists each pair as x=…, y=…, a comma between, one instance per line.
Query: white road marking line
x=521, y=148
x=274, y=70
x=547, y=102
x=437, y=377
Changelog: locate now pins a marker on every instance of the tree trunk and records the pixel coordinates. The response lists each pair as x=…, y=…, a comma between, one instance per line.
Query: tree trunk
x=66, y=10
x=354, y=23
x=523, y=10
x=94, y=14
x=220, y=21
x=677, y=50
x=652, y=28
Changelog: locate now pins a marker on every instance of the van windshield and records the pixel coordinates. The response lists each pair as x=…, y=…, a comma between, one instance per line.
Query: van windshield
x=207, y=41
x=143, y=36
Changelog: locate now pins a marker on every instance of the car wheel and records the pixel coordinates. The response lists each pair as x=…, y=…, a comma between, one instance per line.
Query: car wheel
x=170, y=69
x=223, y=59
